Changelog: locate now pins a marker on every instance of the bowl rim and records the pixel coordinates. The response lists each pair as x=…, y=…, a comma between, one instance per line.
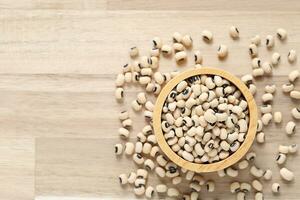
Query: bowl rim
x=233, y=158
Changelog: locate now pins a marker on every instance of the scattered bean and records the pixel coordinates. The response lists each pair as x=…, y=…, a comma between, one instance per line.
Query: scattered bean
x=275, y=188
x=281, y=33
x=207, y=36
x=292, y=56
x=286, y=174
x=270, y=42
x=290, y=128
x=234, y=32
x=222, y=51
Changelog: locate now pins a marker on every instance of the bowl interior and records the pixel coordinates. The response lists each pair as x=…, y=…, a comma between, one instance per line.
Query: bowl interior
x=233, y=158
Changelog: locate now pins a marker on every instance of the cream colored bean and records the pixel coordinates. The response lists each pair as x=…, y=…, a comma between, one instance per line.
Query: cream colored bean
x=266, y=118
x=234, y=32
x=166, y=50
x=120, y=80
x=160, y=172
x=232, y=172
x=256, y=63
x=180, y=56
x=280, y=158
x=127, y=123
x=286, y=174
x=176, y=180
x=275, y=59
x=259, y=196
x=253, y=51
x=256, y=40
x=157, y=43
x=270, y=89
x=292, y=56
x=178, y=47
x=243, y=164
x=240, y=196
x=288, y=87
x=270, y=42
x=155, y=52
x=134, y=52
x=258, y=72
x=222, y=51
x=293, y=148
x=144, y=80
x=277, y=117
x=268, y=174
x=198, y=57
x=283, y=149
x=245, y=187
x=250, y=156
x=256, y=172
x=129, y=148
x=131, y=177
x=207, y=36
x=187, y=41
x=290, y=128
x=173, y=192
x=295, y=94
x=275, y=188
x=235, y=187
x=293, y=75
x=123, y=115
x=266, y=108
x=119, y=94
x=267, y=67
x=149, y=193
x=139, y=191
x=118, y=149
x=296, y=113
x=123, y=179
x=260, y=137
x=281, y=34
x=123, y=133
x=161, y=188
x=138, y=158
x=267, y=97
x=177, y=37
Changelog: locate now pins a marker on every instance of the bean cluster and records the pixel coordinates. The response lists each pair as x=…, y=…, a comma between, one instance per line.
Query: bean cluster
x=205, y=119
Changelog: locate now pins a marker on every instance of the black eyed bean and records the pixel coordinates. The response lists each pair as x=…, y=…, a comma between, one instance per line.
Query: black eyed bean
x=222, y=51
x=290, y=128
x=288, y=87
x=118, y=149
x=256, y=40
x=275, y=58
x=281, y=33
x=149, y=192
x=267, y=174
x=292, y=56
x=270, y=42
x=253, y=51
x=157, y=43
x=187, y=41
x=235, y=187
x=275, y=188
x=177, y=37
x=207, y=36
x=234, y=32
x=119, y=94
x=180, y=56
x=123, y=179
x=280, y=158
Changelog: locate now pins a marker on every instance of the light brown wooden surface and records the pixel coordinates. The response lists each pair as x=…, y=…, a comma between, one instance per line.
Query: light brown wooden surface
x=58, y=61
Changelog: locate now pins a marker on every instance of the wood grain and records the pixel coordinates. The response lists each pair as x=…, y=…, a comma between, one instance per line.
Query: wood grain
x=58, y=61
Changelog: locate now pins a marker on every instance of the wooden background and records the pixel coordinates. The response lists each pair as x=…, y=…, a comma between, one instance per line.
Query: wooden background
x=58, y=61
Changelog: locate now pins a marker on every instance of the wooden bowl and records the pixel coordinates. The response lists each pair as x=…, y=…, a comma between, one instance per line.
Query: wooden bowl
x=233, y=158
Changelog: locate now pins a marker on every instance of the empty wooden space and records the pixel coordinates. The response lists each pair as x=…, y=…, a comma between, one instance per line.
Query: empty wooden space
x=58, y=62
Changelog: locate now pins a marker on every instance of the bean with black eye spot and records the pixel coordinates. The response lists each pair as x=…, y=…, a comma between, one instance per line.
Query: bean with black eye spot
x=270, y=42
x=207, y=36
